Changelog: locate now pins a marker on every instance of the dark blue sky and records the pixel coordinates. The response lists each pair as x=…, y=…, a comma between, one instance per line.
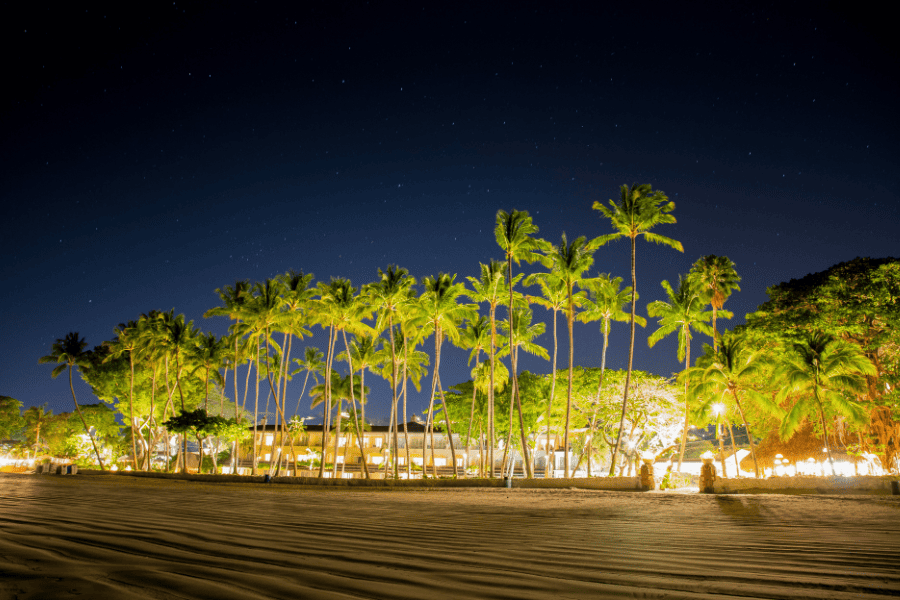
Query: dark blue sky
x=151, y=157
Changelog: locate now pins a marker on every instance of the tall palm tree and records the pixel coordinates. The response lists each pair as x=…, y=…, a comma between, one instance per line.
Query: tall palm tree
x=729, y=372
x=639, y=210
x=715, y=275
x=554, y=297
x=823, y=371
x=475, y=337
x=70, y=352
x=178, y=337
x=569, y=262
x=604, y=303
x=209, y=354
x=684, y=311
x=514, y=231
x=361, y=355
x=490, y=288
x=390, y=297
x=313, y=365
x=339, y=390
x=439, y=311
x=343, y=310
x=234, y=306
x=126, y=342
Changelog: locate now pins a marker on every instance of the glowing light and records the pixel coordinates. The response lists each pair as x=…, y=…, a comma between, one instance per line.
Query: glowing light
x=718, y=409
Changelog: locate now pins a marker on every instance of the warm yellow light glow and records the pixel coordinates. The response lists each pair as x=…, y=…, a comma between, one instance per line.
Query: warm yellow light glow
x=718, y=409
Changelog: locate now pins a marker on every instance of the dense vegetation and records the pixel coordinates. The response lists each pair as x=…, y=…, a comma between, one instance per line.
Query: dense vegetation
x=822, y=355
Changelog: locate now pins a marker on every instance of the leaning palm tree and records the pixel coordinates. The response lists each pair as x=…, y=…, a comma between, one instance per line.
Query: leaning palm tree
x=522, y=334
x=569, y=262
x=728, y=372
x=639, y=210
x=553, y=297
x=684, y=311
x=823, y=372
x=514, y=231
x=716, y=277
x=313, y=365
x=490, y=288
x=439, y=311
x=70, y=352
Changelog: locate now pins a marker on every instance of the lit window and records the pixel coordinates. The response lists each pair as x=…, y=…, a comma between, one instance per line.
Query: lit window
x=378, y=442
x=340, y=460
x=341, y=441
x=377, y=460
x=269, y=440
x=417, y=461
x=268, y=457
x=440, y=462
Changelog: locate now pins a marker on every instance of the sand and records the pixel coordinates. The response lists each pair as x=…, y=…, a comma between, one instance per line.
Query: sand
x=122, y=537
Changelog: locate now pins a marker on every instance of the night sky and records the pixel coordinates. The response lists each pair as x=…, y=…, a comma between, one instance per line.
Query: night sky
x=151, y=157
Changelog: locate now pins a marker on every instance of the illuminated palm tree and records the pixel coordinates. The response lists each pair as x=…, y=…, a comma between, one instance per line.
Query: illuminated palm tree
x=729, y=372
x=70, y=352
x=390, y=297
x=35, y=417
x=554, y=297
x=522, y=334
x=475, y=337
x=684, y=311
x=313, y=365
x=339, y=390
x=514, y=231
x=716, y=277
x=126, y=342
x=823, y=371
x=569, y=262
x=490, y=288
x=234, y=306
x=639, y=210
x=439, y=311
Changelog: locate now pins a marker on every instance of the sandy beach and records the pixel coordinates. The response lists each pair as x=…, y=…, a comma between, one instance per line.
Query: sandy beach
x=123, y=537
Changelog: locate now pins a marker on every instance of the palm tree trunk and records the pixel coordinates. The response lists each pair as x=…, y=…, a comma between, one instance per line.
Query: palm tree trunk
x=405, y=418
x=429, y=421
x=515, y=389
x=471, y=413
x=551, y=455
x=394, y=398
x=612, y=467
x=326, y=417
x=747, y=429
x=824, y=430
x=721, y=450
x=449, y=431
x=570, y=318
x=359, y=435
x=491, y=431
x=87, y=429
x=255, y=468
x=131, y=410
x=181, y=395
x=737, y=465
x=687, y=364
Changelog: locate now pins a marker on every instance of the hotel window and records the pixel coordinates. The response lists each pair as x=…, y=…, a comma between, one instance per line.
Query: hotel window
x=417, y=461
x=341, y=441
x=269, y=439
x=340, y=460
x=440, y=462
x=268, y=457
x=378, y=441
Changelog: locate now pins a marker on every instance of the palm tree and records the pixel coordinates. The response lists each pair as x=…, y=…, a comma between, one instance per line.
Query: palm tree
x=490, y=288
x=343, y=310
x=360, y=354
x=522, y=334
x=604, y=303
x=234, y=306
x=390, y=296
x=683, y=311
x=513, y=233
x=729, y=371
x=569, y=263
x=209, y=354
x=639, y=210
x=823, y=371
x=126, y=342
x=178, y=337
x=36, y=417
x=475, y=337
x=715, y=275
x=553, y=297
x=439, y=310
x=313, y=365
x=70, y=352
